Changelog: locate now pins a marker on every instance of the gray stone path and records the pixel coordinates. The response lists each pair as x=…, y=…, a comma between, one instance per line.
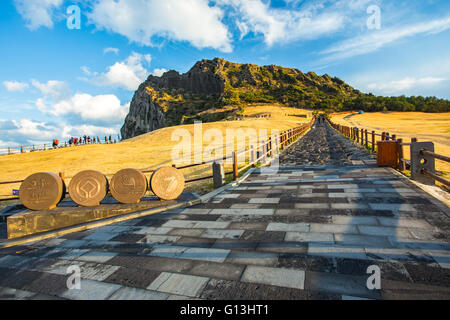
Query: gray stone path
x=303, y=232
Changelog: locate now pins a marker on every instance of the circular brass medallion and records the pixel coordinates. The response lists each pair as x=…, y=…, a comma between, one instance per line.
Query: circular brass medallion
x=167, y=183
x=88, y=188
x=41, y=191
x=129, y=186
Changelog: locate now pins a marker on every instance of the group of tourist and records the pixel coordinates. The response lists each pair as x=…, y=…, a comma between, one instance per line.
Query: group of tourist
x=75, y=141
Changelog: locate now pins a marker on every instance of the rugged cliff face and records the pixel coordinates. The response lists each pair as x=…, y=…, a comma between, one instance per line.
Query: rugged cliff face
x=215, y=90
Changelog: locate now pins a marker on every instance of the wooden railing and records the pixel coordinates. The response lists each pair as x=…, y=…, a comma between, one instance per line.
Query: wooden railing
x=253, y=155
x=422, y=158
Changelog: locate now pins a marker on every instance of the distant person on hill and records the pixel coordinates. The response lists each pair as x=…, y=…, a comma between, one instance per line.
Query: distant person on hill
x=84, y=138
x=110, y=139
x=89, y=140
x=106, y=139
x=55, y=144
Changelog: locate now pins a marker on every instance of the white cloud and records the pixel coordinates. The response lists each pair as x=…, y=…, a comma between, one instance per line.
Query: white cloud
x=128, y=74
x=94, y=109
x=140, y=20
x=88, y=71
x=400, y=86
x=375, y=40
x=159, y=72
x=13, y=86
x=37, y=13
x=282, y=25
x=108, y=50
x=53, y=89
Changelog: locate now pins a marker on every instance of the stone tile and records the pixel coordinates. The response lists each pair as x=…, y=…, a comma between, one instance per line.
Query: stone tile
x=167, y=251
x=385, y=231
x=128, y=293
x=91, y=290
x=343, y=220
x=205, y=254
x=283, y=247
x=233, y=244
x=397, y=254
x=354, y=206
x=15, y=294
x=263, y=212
x=342, y=186
x=337, y=251
x=179, y=284
x=264, y=200
x=340, y=284
x=245, y=206
x=195, y=242
x=186, y=232
x=152, y=230
x=226, y=271
x=392, y=206
x=405, y=222
x=133, y=277
x=292, y=212
x=248, y=225
x=346, y=195
x=362, y=240
x=260, y=236
x=299, y=227
x=99, y=236
x=418, y=244
x=97, y=257
x=196, y=211
x=228, y=196
x=309, y=237
x=222, y=234
x=153, y=263
x=97, y=272
x=312, y=205
x=157, y=239
x=280, y=277
x=441, y=257
x=48, y=284
x=253, y=258
x=333, y=228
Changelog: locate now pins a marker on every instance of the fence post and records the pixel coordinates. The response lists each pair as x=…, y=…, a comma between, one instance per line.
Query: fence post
x=235, y=166
x=252, y=156
x=357, y=135
x=420, y=162
x=401, y=163
x=383, y=136
x=264, y=151
x=367, y=139
x=373, y=141
x=218, y=174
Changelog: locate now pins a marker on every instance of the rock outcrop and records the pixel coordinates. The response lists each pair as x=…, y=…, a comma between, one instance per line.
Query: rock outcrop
x=217, y=89
x=144, y=116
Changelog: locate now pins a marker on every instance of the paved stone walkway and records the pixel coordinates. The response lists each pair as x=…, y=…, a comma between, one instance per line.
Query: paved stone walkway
x=302, y=232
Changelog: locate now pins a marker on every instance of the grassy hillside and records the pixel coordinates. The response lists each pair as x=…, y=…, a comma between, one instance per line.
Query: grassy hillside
x=148, y=151
x=434, y=127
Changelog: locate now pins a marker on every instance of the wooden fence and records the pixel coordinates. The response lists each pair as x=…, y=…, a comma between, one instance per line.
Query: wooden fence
x=252, y=156
x=422, y=156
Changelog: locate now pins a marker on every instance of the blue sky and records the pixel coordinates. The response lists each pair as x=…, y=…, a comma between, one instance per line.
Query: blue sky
x=57, y=82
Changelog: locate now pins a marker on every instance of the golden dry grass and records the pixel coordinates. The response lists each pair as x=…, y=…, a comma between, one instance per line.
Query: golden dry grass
x=434, y=127
x=149, y=151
